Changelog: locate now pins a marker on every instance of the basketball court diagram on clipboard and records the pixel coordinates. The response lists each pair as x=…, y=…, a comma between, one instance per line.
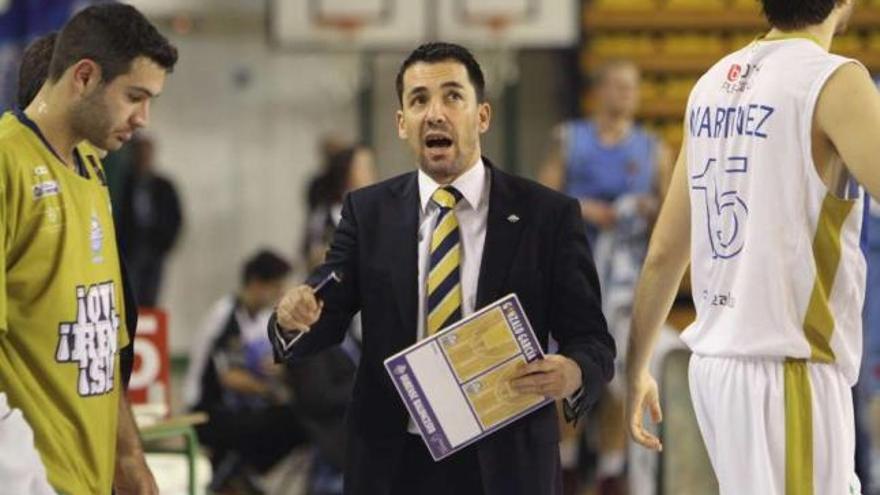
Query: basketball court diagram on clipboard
x=456, y=383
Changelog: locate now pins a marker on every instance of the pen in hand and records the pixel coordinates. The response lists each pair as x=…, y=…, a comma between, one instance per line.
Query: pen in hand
x=301, y=307
x=333, y=277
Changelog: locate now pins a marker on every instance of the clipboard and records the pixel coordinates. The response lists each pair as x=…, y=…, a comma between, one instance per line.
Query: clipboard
x=455, y=383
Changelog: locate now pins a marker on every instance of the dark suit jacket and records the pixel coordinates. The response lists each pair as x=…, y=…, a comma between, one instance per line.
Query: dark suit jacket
x=543, y=257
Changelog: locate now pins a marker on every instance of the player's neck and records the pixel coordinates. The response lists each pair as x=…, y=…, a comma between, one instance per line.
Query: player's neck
x=51, y=120
x=822, y=34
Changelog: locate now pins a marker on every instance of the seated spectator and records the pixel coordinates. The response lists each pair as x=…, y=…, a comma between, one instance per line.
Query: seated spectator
x=232, y=378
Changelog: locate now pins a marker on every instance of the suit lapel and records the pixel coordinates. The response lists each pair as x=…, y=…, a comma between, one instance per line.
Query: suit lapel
x=503, y=231
x=402, y=214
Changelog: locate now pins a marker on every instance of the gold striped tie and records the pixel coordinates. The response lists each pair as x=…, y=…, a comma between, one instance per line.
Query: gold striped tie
x=444, y=281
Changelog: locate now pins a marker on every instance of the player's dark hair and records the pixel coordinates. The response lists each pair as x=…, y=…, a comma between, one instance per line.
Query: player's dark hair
x=789, y=15
x=265, y=266
x=34, y=68
x=438, y=51
x=112, y=35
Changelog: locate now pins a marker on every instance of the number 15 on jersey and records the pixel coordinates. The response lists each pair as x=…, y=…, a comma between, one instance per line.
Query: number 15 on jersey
x=726, y=212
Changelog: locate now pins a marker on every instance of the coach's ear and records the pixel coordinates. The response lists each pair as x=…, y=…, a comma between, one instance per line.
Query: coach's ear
x=401, y=125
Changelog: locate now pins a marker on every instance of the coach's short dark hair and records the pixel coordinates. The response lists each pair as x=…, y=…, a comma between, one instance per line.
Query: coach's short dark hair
x=112, y=35
x=34, y=68
x=265, y=266
x=438, y=51
x=797, y=14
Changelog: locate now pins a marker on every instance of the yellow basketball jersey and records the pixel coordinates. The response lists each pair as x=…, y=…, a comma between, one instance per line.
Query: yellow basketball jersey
x=61, y=311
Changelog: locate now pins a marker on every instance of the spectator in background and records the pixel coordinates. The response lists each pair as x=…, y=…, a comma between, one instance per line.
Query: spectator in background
x=149, y=221
x=609, y=156
x=233, y=378
x=328, y=145
x=323, y=384
x=346, y=169
x=34, y=68
x=610, y=164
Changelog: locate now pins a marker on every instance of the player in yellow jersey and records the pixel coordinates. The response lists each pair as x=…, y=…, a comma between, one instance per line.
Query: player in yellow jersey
x=62, y=322
x=20, y=465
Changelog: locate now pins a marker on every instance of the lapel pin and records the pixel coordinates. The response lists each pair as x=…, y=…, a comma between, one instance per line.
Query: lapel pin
x=513, y=219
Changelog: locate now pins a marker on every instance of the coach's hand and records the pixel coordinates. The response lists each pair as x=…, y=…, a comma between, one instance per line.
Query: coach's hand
x=299, y=309
x=555, y=376
x=642, y=393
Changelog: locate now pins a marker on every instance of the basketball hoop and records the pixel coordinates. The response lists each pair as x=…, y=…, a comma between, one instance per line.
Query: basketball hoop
x=496, y=24
x=347, y=25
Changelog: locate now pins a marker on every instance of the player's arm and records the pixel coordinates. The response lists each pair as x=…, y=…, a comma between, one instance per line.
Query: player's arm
x=133, y=476
x=848, y=112
x=667, y=259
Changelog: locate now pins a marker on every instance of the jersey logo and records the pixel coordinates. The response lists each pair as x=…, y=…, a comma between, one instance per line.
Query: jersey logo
x=46, y=189
x=96, y=238
x=733, y=73
x=90, y=342
x=726, y=300
x=739, y=79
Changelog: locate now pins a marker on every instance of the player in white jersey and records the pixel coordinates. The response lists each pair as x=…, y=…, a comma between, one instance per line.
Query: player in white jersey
x=777, y=134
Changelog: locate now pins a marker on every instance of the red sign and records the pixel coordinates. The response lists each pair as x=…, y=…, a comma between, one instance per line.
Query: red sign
x=150, y=380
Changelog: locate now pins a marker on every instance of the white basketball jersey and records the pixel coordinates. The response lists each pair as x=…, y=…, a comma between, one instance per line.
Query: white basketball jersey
x=776, y=266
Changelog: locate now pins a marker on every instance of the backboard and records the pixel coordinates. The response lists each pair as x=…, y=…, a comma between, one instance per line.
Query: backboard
x=347, y=25
x=403, y=24
x=509, y=23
